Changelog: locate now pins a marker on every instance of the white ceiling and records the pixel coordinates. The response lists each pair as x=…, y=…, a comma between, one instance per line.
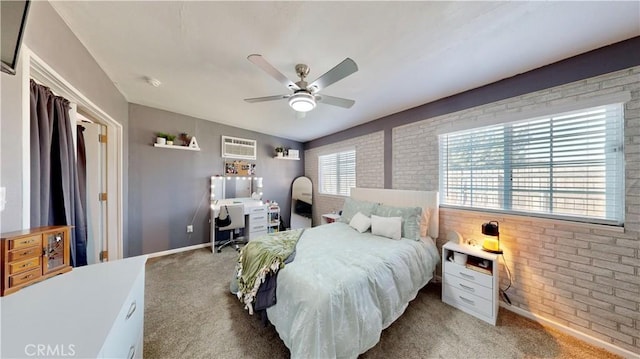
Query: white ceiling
x=408, y=53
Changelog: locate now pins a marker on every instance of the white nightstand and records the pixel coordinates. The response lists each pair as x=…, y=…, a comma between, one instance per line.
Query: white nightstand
x=471, y=287
x=330, y=218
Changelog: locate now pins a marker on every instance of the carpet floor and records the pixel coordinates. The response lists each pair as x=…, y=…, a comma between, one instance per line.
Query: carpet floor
x=189, y=313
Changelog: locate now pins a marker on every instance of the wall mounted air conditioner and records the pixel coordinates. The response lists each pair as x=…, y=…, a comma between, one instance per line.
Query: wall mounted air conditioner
x=233, y=147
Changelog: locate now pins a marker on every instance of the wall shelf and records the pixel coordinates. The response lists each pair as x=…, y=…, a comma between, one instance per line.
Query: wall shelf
x=177, y=147
x=286, y=158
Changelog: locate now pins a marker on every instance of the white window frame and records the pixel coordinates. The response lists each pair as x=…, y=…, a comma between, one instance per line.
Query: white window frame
x=504, y=163
x=342, y=172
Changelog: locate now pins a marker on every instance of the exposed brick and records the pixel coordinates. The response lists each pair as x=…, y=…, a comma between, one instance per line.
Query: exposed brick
x=612, y=333
x=594, y=286
x=615, y=300
x=611, y=316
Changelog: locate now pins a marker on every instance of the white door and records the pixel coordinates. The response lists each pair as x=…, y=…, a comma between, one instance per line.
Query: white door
x=96, y=180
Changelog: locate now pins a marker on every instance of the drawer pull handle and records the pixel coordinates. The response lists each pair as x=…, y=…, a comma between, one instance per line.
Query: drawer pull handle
x=467, y=275
x=132, y=309
x=471, y=289
x=25, y=253
x=27, y=276
x=25, y=265
x=467, y=300
x=132, y=352
x=258, y=218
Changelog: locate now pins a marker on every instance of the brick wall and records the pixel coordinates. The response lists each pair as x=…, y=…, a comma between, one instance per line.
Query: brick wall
x=582, y=276
x=369, y=169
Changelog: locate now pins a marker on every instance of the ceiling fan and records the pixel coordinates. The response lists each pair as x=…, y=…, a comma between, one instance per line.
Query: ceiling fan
x=305, y=96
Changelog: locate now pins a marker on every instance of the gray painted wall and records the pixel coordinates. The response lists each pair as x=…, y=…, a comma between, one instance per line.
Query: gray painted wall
x=168, y=188
x=50, y=39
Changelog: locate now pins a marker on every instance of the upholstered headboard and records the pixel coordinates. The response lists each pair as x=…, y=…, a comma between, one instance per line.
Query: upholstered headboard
x=403, y=198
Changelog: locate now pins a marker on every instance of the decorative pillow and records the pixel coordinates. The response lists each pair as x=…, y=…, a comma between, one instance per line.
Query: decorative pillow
x=360, y=222
x=390, y=227
x=424, y=222
x=410, y=219
x=353, y=206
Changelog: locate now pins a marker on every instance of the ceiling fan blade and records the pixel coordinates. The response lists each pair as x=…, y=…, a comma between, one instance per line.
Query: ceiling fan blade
x=259, y=61
x=340, y=71
x=335, y=101
x=266, y=98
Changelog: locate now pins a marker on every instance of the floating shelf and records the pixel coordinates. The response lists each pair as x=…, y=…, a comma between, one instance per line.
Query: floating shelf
x=286, y=158
x=177, y=147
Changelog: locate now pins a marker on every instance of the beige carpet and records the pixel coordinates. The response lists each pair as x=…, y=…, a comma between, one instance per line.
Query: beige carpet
x=189, y=313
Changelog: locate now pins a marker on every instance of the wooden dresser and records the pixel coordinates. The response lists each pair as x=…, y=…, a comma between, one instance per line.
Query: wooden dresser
x=31, y=255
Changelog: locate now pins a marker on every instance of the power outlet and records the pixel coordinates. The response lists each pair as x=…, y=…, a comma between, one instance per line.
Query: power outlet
x=190, y=228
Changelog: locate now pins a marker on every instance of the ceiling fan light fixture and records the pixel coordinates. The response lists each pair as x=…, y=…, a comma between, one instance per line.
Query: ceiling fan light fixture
x=302, y=101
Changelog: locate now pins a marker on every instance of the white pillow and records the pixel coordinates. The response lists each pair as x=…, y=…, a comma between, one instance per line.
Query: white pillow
x=360, y=222
x=390, y=227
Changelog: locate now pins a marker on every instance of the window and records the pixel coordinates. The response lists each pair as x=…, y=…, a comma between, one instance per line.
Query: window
x=566, y=166
x=337, y=173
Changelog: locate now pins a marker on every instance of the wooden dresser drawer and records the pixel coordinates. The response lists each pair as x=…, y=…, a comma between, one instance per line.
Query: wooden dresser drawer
x=458, y=297
x=468, y=274
x=25, y=277
x=25, y=242
x=24, y=265
x=469, y=287
x=25, y=253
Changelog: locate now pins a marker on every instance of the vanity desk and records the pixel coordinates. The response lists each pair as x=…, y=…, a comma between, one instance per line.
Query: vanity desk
x=255, y=212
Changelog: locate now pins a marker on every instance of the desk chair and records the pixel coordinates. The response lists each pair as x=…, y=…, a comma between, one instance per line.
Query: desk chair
x=236, y=213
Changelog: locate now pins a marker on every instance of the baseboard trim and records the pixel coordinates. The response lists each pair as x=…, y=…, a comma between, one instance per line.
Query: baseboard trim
x=570, y=331
x=178, y=250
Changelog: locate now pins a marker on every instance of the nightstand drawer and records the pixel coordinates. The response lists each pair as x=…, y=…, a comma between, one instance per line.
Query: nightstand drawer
x=459, y=298
x=24, y=265
x=468, y=286
x=21, y=254
x=468, y=274
x=25, y=277
x=25, y=242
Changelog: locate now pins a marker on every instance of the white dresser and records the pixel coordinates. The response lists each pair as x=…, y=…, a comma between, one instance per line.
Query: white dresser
x=95, y=311
x=465, y=287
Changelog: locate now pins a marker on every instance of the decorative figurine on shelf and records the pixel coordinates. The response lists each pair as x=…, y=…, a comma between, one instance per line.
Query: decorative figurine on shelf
x=185, y=138
x=279, y=151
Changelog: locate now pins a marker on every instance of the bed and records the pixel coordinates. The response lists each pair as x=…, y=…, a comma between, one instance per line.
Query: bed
x=344, y=287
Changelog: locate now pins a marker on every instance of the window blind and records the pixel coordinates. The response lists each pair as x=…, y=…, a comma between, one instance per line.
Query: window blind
x=337, y=173
x=569, y=165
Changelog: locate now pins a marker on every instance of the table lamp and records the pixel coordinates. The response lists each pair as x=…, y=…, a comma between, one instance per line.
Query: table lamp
x=492, y=229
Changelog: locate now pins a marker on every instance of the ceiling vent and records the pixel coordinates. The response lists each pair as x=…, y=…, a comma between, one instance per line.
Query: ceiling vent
x=233, y=147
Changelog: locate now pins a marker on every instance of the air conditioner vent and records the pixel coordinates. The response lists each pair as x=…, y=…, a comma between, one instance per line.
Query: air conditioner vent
x=233, y=147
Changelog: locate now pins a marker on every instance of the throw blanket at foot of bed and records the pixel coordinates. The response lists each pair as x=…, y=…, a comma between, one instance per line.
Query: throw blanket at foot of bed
x=260, y=257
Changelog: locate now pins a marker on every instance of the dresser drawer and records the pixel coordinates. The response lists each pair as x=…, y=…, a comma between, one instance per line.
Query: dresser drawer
x=25, y=242
x=257, y=210
x=459, y=298
x=25, y=277
x=468, y=274
x=470, y=287
x=20, y=254
x=123, y=339
x=24, y=265
x=256, y=234
x=258, y=218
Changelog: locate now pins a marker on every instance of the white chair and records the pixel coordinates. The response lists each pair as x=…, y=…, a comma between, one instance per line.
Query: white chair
x=236, y=213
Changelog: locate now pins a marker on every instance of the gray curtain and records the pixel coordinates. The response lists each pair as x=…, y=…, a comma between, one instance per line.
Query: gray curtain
x=55, y=194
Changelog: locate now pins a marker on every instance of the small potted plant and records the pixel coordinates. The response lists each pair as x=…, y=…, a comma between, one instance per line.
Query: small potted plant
x=161, y=138
x=280, y=151
x=170, y=139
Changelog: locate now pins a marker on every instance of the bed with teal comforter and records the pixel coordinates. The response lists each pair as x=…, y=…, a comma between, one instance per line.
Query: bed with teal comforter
x=345, y=287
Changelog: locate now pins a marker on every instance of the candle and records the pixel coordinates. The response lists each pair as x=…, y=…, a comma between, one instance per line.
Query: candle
x=491, y=244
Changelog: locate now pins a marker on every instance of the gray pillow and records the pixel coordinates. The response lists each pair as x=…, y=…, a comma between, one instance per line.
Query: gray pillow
x=353, y=206
x=410, y=218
